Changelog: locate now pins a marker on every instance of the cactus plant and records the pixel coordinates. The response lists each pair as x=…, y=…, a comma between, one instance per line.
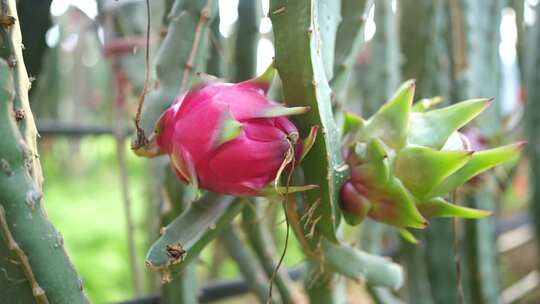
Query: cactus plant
x=301, y=69
x=36, y=266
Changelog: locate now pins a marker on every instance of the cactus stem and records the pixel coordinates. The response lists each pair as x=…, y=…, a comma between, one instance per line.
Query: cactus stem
x=203, y=19
x=37, y=291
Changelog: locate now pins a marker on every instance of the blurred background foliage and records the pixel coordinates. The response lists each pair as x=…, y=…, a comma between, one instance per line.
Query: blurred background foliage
x=82, y=132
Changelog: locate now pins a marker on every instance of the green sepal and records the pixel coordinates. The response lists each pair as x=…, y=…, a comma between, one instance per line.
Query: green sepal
x=375, y=167
x=438, y=207
x=279, y=110
x=264, y=81
x=408, y=236
x=393, y=205
x=183, y=162
x=351, y=123
x=309, y=141
x=354, y=206
x=433, y=128
x=421, y=169
x=479, y=162
x=271, y=190
x=353, y=219
x=229, y=129
x=426, y=103
x=390, y=123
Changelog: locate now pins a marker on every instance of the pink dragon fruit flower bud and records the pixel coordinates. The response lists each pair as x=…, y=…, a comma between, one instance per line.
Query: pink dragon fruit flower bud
x=230, y=138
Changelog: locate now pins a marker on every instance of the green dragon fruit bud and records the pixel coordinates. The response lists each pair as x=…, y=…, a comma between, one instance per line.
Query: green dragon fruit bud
x=406, y=158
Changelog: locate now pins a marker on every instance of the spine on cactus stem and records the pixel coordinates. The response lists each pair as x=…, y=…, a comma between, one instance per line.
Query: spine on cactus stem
x=35, y=264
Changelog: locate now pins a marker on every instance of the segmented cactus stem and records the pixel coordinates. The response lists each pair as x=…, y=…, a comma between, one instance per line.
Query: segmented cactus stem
x=27, y=235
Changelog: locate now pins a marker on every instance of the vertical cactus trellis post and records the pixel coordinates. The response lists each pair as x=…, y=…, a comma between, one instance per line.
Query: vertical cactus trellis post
x=35, y=265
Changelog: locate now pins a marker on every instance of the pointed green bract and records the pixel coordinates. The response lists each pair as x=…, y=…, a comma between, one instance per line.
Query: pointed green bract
x=392, y=204
x=229, y=129
x=264, y=81
x=421, y=169
x=376, y=169
x=351, y=123
x=390, y=123
x=480, y=162
x=433, y=128
x=407, y=236
x=278, y=111
x=438, y=207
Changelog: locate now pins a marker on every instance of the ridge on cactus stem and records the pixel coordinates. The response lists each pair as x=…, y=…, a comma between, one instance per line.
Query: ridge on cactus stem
x=231, y=139
x=406, y=158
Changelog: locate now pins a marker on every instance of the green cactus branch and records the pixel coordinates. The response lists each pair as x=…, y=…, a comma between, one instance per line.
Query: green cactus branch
x=184, y=287
x=329, y=18
x=31, y=249
x=247, y=38
x=258, y=234
x=301, y=69
x=181, y=55
x=11, y=52
x=37, y=291
x=26, y=231
x=185, y=237
x=248, y=264
x=349, y=41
